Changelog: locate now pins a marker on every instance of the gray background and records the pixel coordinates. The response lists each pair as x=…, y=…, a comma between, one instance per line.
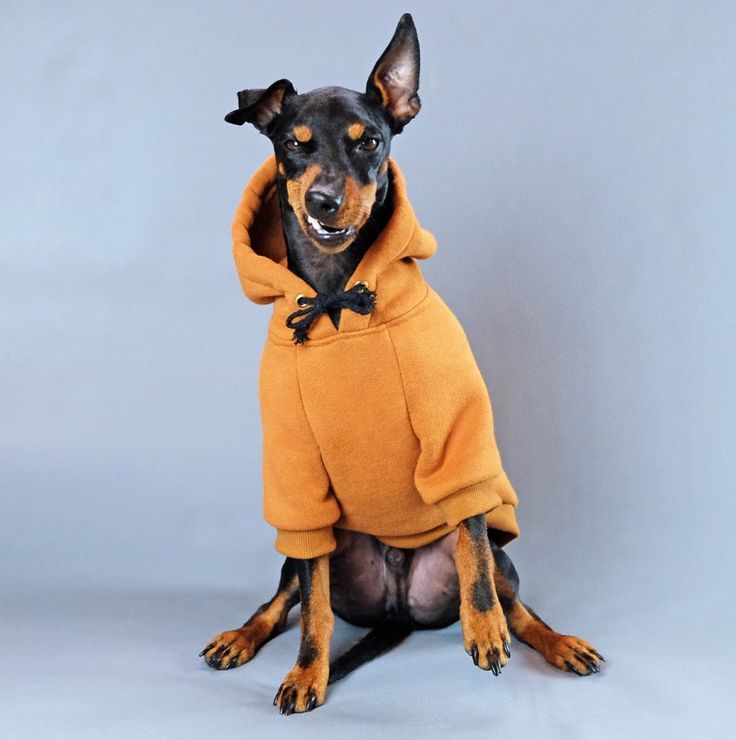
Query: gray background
x=576, y=162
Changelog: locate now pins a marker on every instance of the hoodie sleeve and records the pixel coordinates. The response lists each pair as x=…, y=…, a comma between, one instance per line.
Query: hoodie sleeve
x=459, y=466
x=297, y=498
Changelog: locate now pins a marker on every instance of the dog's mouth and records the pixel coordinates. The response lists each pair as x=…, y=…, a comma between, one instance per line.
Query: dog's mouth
x=328, y=236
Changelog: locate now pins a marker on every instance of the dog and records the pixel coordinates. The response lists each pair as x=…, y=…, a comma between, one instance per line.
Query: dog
x=336, y=194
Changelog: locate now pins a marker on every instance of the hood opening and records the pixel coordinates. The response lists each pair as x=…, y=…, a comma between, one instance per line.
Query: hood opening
x=266, y=231
x=259, y=246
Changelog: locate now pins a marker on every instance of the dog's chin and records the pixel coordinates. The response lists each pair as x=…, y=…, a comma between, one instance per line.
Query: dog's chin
x=326, y=238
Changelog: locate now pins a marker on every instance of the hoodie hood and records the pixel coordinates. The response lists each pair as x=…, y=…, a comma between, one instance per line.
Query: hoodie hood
x=388, y=266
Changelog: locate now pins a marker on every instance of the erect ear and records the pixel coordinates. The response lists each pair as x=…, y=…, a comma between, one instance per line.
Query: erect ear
x=261, y=107
x=394, y=81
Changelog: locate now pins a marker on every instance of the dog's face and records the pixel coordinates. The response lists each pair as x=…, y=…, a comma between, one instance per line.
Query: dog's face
x=332, y=147
x=332, y=144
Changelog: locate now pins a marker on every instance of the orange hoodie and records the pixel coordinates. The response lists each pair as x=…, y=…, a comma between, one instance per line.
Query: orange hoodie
x=382, y=426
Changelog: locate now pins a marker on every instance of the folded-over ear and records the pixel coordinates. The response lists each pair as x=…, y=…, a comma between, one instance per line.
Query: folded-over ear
x=394, y=81
x=261, y=107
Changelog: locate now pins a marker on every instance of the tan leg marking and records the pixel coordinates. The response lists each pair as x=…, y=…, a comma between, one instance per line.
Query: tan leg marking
x=232, y=648
x=305, y=686
x=485, y=634
x=566, y=652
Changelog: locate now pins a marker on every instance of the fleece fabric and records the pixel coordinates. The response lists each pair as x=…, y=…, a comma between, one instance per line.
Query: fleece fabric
x=383, y=426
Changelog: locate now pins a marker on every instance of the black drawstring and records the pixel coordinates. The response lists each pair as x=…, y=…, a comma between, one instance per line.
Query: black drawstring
x=358, y=299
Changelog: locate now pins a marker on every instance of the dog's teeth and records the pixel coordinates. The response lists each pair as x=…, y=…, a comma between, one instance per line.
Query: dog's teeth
x=319, y=227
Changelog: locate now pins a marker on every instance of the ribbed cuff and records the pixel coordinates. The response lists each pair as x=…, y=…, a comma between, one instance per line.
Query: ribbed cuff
x=477, y=498
x=305, y=544
x=502, y=524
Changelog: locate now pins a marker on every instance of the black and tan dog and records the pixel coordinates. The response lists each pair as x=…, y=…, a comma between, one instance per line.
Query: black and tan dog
x=334, y=203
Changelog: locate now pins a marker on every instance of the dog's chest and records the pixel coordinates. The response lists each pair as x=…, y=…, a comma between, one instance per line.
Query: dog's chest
x=371, y=582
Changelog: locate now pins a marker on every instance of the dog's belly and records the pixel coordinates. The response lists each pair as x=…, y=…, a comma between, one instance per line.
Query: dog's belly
x=371, y=582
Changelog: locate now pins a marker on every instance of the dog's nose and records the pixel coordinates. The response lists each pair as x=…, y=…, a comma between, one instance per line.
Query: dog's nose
x=321, y=204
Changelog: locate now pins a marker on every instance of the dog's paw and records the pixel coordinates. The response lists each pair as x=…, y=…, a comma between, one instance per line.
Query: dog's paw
x=486, y=638
x=570, y=653
x=302, y=690
x=231, y=649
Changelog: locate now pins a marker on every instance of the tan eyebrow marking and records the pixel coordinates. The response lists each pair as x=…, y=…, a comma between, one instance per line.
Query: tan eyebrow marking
x=356, y=130
x=302, y=133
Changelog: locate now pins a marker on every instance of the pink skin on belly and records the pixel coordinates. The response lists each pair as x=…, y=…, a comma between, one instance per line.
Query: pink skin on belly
x=371, y=582
x=433, y=582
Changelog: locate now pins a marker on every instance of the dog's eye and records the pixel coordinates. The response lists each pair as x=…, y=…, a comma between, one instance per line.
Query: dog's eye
x=369, y=144
x=292, y=145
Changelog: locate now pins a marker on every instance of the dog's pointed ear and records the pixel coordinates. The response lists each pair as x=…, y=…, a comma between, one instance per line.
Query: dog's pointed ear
x=261, y=107
x=394, y=81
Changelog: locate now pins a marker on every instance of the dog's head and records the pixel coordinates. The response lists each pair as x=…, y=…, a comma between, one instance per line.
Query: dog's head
x=332, y=144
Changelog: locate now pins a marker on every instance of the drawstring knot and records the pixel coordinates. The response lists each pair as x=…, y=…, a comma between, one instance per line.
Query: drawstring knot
x=359, y=299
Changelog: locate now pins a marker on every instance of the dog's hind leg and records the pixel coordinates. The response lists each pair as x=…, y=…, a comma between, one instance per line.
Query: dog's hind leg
x=566, y=652
x=235, y=647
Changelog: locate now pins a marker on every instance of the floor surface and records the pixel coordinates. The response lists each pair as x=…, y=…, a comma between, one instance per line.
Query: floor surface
x=125, y=665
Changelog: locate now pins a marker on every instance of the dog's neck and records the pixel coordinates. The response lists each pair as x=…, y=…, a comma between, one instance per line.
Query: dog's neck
x=327, y=273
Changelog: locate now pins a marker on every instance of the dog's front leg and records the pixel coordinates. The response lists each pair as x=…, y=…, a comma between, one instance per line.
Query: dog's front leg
x=305, y=685
x=485, y=633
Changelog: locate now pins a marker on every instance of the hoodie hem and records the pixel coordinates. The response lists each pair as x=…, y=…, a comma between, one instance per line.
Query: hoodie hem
x=500, y=521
